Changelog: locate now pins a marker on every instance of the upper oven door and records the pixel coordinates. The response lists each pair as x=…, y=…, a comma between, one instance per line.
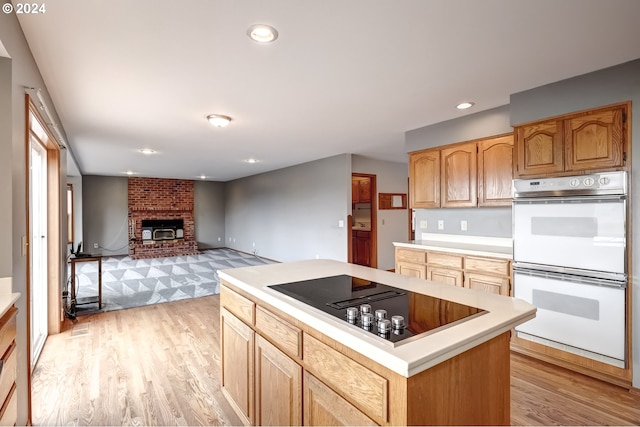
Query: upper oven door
x=572, y=232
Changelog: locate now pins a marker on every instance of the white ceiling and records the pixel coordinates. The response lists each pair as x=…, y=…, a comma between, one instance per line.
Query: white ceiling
x=344, y=76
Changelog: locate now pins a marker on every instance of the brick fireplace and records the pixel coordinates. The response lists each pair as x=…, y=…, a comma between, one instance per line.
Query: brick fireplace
x=165, y=203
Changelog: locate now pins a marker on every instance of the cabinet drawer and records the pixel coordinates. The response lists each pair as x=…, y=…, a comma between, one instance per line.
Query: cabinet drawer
x=279, y=332
x=411, y=255
x=444, y=260
x=8, y=374
x=243, y=308
x=7, y=330
x=9, y=411
x=487, y=265
x=364, y=388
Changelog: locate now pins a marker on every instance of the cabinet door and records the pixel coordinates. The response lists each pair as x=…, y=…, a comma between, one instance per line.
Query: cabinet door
x=324, y=407
x=491, y=284
x=424, y=179
x=595, y=140
x=237, y=365
x=278, y=387
x=355, y=191
x=411, y=270
x=446, y=276
x=364, y=190
x=539, y=148
x=495, y=171
x=458, y=185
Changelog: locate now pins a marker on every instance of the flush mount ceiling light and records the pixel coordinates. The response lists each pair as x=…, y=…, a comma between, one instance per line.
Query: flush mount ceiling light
x=203, y=177
x=129, y=172
x=147, y=151
x=218, y=120
x=262, y=33
x=465, y=105
x=252, y=161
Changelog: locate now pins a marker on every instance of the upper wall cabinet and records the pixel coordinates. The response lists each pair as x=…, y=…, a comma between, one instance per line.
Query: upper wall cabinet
x=474, y=173
x=458, y=166
x=586, y=141
x=424, y=179
x=495, y=157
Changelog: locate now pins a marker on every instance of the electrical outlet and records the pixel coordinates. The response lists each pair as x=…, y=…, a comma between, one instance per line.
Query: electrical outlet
x=423, y=223
x=254, y=244
x=95, y=246
x=440, y=224
x=463, y=225
x=219, y=239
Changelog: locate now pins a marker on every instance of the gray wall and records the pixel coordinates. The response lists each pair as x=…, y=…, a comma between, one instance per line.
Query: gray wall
x=492, y=222
x=392, y=225
x=24, y=73
x=609, y=86
x=105, y=218
x=209, y=214
x=292, y=213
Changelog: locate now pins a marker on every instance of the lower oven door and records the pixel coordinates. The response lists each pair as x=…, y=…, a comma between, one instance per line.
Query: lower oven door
x=586, y=314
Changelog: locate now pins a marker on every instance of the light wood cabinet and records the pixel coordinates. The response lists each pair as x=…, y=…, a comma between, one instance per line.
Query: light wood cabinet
x=324, y=407
x=276, y=374
x=458, y=186
x=8, y=371
x=237, y=365
x=474, y=272
x=574, y=143
x=495, y=157
x=424, y=179
x=444, y=275
x=473, y=173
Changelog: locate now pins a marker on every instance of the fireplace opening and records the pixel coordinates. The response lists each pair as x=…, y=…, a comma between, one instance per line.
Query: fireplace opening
x=162, y=229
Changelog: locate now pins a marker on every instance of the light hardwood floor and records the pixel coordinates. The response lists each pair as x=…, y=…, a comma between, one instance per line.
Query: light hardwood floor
x=160, y=365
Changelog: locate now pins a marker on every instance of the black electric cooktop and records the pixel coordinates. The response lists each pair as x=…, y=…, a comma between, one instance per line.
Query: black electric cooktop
x=357, y=301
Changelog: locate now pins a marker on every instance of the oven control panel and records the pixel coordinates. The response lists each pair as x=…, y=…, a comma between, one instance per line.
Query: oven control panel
x=596, y=183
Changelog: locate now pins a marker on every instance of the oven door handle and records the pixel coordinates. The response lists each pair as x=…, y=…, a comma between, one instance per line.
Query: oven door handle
x=569, y=199
x=593, y=281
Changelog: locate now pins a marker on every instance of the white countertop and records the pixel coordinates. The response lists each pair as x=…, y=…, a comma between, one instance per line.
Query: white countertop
x=467, y=245
x=7, y=298
x=407, y=359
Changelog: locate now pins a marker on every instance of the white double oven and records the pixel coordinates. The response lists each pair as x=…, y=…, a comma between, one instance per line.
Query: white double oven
x=570, y=261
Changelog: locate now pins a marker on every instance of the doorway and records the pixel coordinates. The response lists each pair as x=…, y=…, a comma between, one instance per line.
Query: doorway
x=364, y=235
x=44, y=256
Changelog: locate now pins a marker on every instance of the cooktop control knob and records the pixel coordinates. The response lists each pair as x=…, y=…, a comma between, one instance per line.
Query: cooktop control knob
x=365, y=308
x=604, y=180
x=381, y=314
x=574, y=182
x=352, y=314
x=384, y=326
x=366, y=320
x=588, y=181
x=397, y=322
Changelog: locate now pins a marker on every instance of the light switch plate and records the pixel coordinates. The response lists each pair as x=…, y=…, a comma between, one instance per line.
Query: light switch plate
x=423, y=223
x=463, y=225
x=440, y=224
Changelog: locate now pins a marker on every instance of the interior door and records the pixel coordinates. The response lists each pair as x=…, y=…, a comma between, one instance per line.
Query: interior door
x=38, y=247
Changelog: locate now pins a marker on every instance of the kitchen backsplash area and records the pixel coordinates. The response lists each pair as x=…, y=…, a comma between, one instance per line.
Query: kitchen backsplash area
x=489, y=222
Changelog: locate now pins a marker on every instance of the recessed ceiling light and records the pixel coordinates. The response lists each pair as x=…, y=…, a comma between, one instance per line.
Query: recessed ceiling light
x=465, y=105
x=129, y=172
x=262, y=33
x=147, y=151
x=203, y=177
x=252, y=161
x=218, y=120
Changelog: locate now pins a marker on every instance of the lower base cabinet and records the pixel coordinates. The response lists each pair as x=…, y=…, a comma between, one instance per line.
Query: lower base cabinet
x=324, y=407
x=237, y=365
x=276, y=374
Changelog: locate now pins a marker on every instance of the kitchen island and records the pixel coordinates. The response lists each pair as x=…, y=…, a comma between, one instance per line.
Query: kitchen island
x=285, y=362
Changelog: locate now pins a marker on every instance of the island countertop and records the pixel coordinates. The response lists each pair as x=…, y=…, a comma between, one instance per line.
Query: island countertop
x=406, y=359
